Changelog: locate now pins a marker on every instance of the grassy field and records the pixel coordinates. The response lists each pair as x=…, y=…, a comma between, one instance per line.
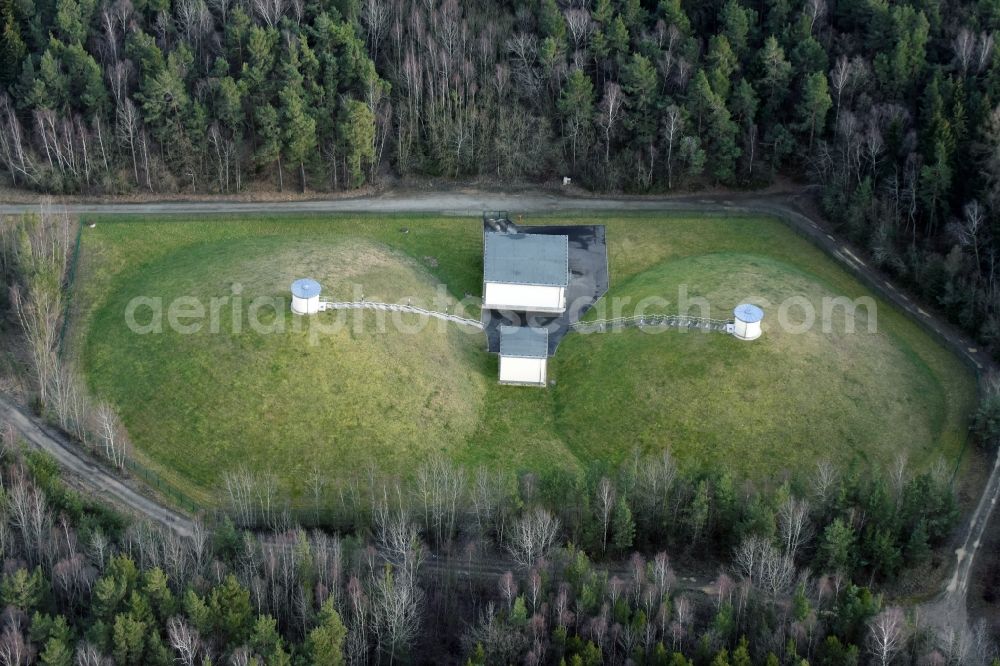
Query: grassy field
x=292, y=400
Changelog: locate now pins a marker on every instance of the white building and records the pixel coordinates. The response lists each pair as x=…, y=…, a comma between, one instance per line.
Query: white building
x=524, y=353
x=746, y=321
x=525, y=272
x=305, y=296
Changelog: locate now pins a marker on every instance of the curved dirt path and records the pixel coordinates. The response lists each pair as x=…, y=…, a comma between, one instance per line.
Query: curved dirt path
x=790, y=206
x=97, y=480
x=950, y=608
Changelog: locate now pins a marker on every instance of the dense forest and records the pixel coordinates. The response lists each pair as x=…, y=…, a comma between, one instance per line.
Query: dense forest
x=892, y=108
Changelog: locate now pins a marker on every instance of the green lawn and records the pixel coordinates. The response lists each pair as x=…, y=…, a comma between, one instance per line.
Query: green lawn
x=289, y=401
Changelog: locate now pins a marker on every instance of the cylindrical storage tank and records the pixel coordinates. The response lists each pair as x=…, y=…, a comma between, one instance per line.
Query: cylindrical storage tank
x=746, y=324
x=305, y=296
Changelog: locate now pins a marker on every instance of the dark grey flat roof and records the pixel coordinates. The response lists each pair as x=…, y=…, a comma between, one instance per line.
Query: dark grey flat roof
x=524, y=342
x=532, y=259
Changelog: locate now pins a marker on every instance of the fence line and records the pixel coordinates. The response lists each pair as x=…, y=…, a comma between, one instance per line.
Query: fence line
x=652, y=321
x=166, y=487
x=398, y=307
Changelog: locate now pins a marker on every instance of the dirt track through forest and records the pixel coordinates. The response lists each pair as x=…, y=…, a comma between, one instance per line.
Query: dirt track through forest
x=91, y=475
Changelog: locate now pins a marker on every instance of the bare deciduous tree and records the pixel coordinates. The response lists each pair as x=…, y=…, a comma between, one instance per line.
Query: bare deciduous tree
x=184, y=639
x=375, y=17
x=252, y=497
x=969, y=232
x=684, y=614
x=439, y=487
x=815, y=10
x=886, y=635
x=14, y=649
x=396, y=607
x=199, y=545
x=609, y=113
x=794, y=525
x=778, y=572
x=221, y=8
x=111, y=433
x=839, y=77
x=955, y=645
x=73, y=578
x=88, y=654
x=484, y=500
x=194, y=22
x=317, y=483
x=127, y=131
x=41, y=256
x=13, y=149
x=69, y=401
x=964, y=47
x=663, y=574
x=29, y=514
x=823, y=481
x=241, y=656
x=532, y=536
x=270, y=11
x=673, y=127
x=760, y=563
x=8, y=438
x=984, y=50
x=605, y=507
x=580, y=25
x=508, y=589
x=396, y=534
x=240, y=488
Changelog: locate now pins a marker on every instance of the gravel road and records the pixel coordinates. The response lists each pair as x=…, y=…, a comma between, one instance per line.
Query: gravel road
x=459, y=202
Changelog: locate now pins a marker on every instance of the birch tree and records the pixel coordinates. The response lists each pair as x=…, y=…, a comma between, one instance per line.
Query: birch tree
x=111, y=434
x=184, y=640
x=886, y=635
x=794, y=525
x=605, y=508
x=532, y=536
x=609, y=114
x=673, y=128
x=396, y=606
x=40, y=246
x=14, y=150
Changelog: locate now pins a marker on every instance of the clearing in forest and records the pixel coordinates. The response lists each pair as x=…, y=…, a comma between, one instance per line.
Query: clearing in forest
x=198, y=404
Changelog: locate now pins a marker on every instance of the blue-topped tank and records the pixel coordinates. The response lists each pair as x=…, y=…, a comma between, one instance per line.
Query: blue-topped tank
x=746, y=321
x=305, y=296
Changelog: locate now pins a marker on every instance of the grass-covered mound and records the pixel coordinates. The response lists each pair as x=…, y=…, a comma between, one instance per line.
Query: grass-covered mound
x=291, y=395
x=198, y=404
x=776, y=403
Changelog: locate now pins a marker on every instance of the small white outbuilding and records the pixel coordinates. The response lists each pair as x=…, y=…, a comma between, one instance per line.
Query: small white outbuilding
x=746, y=321
x=524, y=354
x=305, y=296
